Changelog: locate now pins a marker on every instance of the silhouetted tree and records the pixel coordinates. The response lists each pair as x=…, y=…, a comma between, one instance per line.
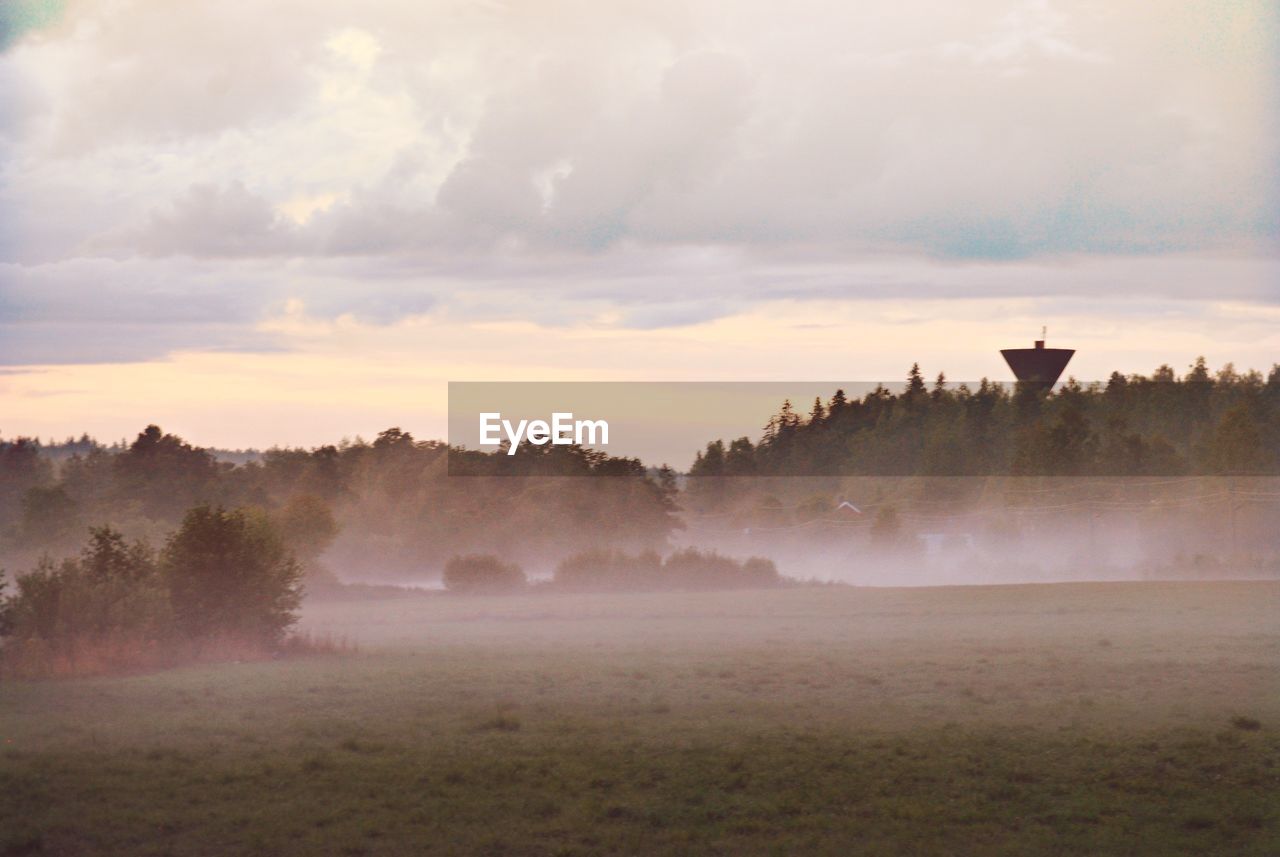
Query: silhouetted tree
x=482, y=574
x=229, y=572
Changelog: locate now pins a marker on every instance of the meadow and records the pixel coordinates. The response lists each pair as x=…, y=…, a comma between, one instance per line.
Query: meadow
x=1111, y=718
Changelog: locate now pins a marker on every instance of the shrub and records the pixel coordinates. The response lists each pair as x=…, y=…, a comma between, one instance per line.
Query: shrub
x=610, y=570
x=695, y=569
x=111, y=588
x=760, y=571
x=305, y=643
x=686, y=569
x=87, y=614
x=482, y=573
x=229, y=573
x=224, y=589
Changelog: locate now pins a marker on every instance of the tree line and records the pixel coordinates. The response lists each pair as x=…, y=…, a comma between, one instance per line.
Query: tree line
x=390, y=502
x=1226, y=423
x=390, y=507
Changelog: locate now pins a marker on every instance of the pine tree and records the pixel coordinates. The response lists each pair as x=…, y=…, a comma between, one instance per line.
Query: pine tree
x=838, y=403
x=915, y=380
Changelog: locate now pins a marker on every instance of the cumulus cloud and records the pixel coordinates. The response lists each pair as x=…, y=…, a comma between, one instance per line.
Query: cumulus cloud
x=210, y=221
x=650, y=164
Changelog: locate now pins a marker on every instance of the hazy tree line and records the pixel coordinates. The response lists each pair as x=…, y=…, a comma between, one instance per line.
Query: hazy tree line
x=1226, y=423
x=239, y=544
x=604, y=570
x=390, y=503
x=390, y=508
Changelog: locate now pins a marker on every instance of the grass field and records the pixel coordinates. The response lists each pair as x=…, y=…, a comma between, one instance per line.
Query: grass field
x=1069, y=719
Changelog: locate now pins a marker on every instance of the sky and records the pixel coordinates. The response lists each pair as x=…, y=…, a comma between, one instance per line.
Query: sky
x=292, y=222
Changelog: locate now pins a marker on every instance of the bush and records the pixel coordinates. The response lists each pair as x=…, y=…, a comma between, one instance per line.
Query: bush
x=694, y=569
x=482, y=573
x=112, y=588
x=224, y=588
x=610, y=570
x=88, y=614
x=686, y=569
x=230, y=573
x=760, y=571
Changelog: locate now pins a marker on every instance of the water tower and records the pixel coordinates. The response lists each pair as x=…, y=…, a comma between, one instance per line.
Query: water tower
x=1039, y=367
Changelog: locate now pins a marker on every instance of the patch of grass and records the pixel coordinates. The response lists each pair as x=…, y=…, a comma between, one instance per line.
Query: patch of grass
x=305, y=642
x=739, y=723
x=501, y=723
x=125, y=654
x=356, y=745
x=1246, y=724
x=20, y=844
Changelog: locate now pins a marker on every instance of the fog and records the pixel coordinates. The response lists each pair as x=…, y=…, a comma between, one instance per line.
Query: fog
x=609, y=670
x=915, y=531
x=956, y=530
x=390, y=512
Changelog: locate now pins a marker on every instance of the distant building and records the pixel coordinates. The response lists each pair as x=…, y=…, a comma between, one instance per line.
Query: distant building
x=1038, y=366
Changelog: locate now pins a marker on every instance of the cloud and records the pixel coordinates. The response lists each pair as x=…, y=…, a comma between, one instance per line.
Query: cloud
x=141, y=309
x=620, y=164
x=211, y=221
x=19, y=17
x=1035, y=127
x=150, y=72
x=1029, y=31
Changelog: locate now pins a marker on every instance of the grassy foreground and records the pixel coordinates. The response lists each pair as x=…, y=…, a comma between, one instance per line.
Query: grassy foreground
x=1068, y=719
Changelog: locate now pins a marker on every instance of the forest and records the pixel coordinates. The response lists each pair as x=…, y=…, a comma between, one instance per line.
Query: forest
x=390, y=502
x=398, y=508
x=1226, y=423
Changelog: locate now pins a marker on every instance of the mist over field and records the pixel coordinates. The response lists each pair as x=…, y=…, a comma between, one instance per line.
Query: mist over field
x=1160, y=477
x=1100, y=718
x=1062, y=636
x=294, y=295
